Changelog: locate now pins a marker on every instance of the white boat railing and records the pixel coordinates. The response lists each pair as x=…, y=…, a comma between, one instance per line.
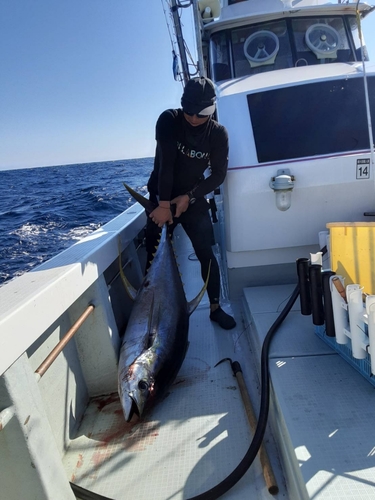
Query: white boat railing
x=31, y=303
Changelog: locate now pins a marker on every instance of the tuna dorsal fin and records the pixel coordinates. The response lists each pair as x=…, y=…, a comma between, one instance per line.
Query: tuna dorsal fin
x=131, y=291
x=146, y=204
x=193, y=304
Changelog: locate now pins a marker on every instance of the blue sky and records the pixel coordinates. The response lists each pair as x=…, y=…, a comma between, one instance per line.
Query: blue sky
x=85, y=80
x=82, y=80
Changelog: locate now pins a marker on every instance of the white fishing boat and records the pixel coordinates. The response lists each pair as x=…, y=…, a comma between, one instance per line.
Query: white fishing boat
x=295, y=91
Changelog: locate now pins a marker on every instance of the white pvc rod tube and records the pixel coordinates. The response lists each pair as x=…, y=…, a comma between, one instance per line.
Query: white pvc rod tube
x=370, y=308
x=316, y=258
x=357, y=325
x=340, y=316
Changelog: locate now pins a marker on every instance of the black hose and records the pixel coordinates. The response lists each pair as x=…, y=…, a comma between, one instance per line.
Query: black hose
x=252, y=452
x=233, y=478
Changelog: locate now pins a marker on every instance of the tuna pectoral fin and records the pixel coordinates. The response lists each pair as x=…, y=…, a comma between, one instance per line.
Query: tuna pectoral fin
x=193, y=304
x=146, y=204
x=131, y=291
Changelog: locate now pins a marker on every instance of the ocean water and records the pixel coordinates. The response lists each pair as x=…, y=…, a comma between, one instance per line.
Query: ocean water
x=45, y=210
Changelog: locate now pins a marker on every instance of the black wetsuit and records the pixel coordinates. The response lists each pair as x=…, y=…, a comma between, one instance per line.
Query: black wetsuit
x=183, y=153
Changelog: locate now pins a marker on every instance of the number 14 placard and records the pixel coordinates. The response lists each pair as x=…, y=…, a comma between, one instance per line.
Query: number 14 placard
x=363, y=168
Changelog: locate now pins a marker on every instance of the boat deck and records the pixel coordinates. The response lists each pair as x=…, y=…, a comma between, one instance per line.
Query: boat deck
x=192, y=439
x=322, y=408
x=321, y=414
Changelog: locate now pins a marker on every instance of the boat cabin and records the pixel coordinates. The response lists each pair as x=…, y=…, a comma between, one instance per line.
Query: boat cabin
x=295, y=92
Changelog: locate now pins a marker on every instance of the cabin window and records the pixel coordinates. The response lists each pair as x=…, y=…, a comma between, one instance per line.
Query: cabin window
x=320, y=41
x=353, y=28
x=220, y=57
x=261, y=48
x=319, y=118
x=285, y=43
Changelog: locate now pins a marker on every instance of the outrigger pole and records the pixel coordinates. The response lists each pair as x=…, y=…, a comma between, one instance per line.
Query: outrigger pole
x=175, y=5
x=198, y=35
x=180, y=41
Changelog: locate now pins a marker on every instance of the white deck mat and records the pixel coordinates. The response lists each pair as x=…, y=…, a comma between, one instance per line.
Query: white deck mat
x=192, y=439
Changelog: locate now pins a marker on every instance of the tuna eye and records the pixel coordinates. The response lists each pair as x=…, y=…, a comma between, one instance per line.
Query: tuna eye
x=142, y=385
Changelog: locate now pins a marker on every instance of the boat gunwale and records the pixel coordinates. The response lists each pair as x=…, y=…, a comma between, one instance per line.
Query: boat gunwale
x=31, y=295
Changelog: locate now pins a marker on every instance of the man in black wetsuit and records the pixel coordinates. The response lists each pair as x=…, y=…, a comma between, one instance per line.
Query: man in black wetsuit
x=188, y=140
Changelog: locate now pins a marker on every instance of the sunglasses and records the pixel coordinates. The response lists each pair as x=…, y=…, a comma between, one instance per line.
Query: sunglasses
x=195, y=114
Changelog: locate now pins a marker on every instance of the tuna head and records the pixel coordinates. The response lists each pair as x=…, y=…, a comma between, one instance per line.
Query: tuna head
x=136, y=389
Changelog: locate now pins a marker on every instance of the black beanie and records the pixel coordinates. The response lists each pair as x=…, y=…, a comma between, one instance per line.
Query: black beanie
x=199, y=97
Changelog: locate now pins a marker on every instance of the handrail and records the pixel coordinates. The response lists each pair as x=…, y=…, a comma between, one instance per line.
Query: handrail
x=43, y=367
x=5, y=416
x=25, y=302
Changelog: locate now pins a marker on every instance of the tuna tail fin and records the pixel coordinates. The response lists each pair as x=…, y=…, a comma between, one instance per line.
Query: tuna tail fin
x=146, y=204
x=131, y=291
x=193, y=304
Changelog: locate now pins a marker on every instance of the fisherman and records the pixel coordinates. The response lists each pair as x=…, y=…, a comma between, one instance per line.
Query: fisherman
x=188, y=140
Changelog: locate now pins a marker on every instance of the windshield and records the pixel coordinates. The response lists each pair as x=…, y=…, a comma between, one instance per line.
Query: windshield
x=284, y=44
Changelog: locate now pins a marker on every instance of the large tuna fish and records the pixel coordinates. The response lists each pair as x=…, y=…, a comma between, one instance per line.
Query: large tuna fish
x=156, y=337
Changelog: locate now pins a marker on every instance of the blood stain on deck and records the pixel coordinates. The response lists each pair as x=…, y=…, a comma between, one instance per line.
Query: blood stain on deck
x=106, y=426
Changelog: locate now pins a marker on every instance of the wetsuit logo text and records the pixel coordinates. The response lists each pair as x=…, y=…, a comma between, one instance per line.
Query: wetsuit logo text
x=191, y=153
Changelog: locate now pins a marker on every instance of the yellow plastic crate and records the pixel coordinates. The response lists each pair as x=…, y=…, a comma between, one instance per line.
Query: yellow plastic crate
x=352, y=247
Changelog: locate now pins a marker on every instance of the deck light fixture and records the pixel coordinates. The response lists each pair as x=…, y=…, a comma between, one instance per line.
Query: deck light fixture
x=283, y=184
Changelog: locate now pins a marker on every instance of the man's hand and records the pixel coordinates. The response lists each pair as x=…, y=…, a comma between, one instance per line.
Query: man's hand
x=161, y=215
x=182, y=204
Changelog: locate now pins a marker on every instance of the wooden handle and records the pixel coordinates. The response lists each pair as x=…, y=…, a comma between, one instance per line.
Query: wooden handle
x=268, y=473
x=339, y=287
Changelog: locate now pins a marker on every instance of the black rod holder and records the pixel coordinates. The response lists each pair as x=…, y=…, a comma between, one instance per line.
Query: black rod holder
x=315, y=275
x=304, y=286
x=328, y=309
